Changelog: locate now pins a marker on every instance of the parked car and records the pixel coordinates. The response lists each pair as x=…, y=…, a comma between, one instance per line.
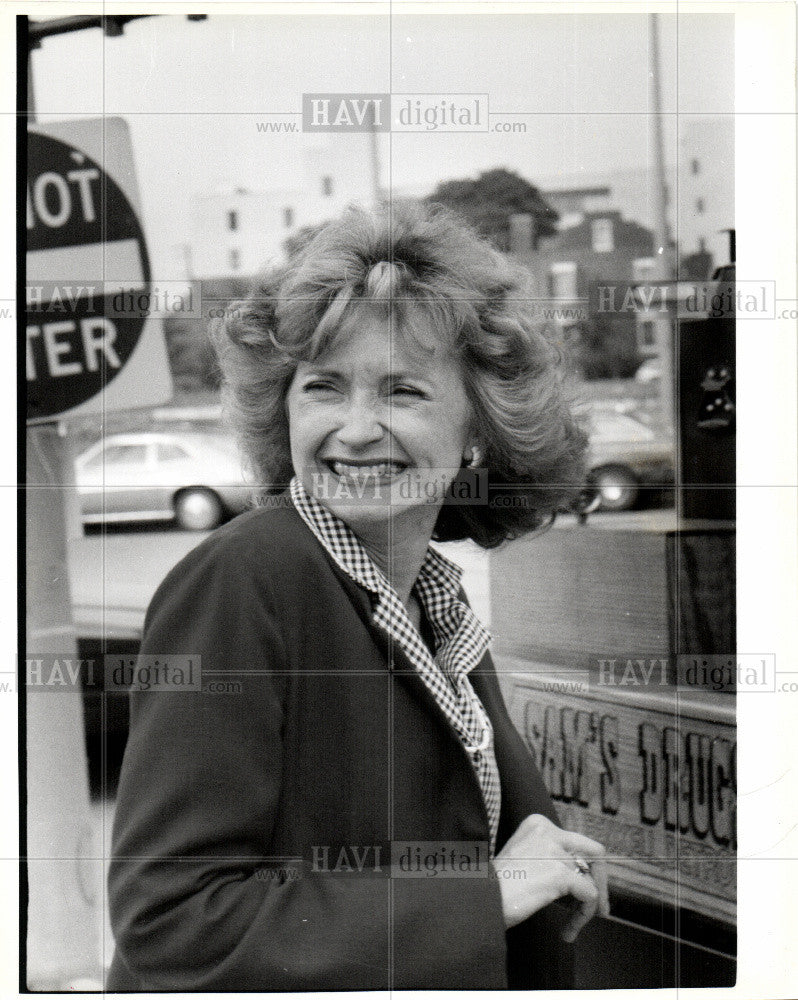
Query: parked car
x=193, y=478
x=625, y=454
x=649, y=371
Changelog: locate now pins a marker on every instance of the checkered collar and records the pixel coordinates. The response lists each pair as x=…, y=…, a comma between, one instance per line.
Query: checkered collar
x=460, y=638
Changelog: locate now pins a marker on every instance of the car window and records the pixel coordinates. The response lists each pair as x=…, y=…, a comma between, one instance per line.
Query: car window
x=119, y=454
x=613, y=427
x=171, y=452
x=96, y=461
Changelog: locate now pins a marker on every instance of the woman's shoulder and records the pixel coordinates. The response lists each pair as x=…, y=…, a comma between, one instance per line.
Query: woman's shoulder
x=254, y=550
x=263, y=535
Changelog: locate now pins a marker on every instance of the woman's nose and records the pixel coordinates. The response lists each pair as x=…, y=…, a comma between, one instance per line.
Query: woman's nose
x=360, y=426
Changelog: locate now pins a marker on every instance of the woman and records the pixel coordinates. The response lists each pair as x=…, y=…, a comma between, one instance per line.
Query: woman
x=346, y=804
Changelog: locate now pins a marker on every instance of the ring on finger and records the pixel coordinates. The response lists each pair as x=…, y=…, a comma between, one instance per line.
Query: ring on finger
x=582, y=866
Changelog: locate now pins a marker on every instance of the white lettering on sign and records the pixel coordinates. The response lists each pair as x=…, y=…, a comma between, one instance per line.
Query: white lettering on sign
x=55, y=348
x=83, y=180
x=52, y=201
x=52, y=181
x=96, y=337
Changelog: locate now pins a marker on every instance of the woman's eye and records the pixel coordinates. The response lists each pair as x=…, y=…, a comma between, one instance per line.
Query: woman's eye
x=407, y=390
x=318, y=387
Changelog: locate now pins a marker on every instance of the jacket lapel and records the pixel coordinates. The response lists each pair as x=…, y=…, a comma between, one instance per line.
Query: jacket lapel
x=523, y=789
x=405, y=673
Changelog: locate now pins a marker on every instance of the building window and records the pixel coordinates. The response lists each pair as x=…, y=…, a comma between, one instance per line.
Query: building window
x=327, y=186
x=699, y=206
x=601, y=234
x=562, y=280
x=648, y=337
x=695, y=167
x=232, y=220
x=235, y=259
x=288, y=217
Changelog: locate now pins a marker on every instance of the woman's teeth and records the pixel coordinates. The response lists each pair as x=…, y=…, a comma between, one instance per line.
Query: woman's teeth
x=366, y=471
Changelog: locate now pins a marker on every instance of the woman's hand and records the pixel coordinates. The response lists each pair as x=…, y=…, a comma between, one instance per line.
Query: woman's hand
x=537, y=865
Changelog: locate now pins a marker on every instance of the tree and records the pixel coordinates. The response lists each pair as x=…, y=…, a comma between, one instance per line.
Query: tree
x=605, y=348
x=192, y=359
x=696, y=266
x=489, y=201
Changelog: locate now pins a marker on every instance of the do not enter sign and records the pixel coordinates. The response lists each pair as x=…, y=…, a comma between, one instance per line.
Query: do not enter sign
x=85, y=247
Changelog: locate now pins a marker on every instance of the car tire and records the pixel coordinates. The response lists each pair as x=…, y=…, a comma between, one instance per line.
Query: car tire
x=198, y=509
x=618, y=487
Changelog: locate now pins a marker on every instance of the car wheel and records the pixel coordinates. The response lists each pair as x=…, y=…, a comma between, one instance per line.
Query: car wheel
x=617, y=487
x=198, y=509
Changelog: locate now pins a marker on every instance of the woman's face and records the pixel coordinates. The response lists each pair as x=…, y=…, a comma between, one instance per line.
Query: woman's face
x=378, y=428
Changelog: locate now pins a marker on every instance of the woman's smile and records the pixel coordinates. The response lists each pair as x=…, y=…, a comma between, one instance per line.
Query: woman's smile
x=380, y=471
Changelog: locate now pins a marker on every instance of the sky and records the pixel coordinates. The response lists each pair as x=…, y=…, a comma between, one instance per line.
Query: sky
x=193, y=92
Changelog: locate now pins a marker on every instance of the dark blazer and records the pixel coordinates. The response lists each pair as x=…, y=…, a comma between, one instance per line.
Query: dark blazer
x=332, y=741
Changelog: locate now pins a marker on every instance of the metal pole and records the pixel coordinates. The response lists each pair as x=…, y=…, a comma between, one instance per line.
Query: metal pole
x=375, y=163
x=663, y=247
x=665, y=323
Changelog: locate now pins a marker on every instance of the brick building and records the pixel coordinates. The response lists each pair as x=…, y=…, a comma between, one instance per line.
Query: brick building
x=573, y=271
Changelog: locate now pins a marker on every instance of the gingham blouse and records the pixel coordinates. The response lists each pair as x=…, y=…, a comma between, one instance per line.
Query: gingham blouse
x=460, y=638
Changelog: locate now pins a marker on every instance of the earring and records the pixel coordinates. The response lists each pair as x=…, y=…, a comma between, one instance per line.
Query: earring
x=476, y=458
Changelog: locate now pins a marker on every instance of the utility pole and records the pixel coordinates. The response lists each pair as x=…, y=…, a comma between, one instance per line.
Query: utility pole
x=665, y=323
x=374, y=151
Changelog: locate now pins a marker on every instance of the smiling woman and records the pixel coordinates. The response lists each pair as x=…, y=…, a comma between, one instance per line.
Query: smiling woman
x=391, y=381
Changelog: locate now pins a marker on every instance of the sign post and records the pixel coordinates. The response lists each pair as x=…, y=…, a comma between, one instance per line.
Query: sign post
x=81, y=357
x=65, y=873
